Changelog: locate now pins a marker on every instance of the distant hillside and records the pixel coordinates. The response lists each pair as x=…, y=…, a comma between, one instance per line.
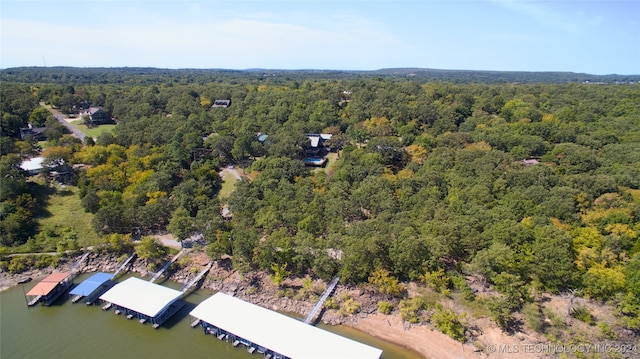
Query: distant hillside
x=146, y=75
x=465, y=76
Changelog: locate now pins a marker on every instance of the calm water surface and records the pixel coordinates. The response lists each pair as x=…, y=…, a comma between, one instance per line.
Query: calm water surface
x=68, y=330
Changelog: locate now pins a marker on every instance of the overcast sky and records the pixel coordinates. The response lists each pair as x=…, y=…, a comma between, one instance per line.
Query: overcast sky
x=596, y=37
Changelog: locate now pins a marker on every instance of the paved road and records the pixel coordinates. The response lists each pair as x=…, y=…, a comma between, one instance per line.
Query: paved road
x=74, y=131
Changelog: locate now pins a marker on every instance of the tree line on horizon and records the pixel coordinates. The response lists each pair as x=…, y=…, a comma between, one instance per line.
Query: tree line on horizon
x=151, y=75
x=430, y=183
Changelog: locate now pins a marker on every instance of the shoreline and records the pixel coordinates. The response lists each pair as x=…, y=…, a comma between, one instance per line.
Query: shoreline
x=221, y=278
x=257, y=288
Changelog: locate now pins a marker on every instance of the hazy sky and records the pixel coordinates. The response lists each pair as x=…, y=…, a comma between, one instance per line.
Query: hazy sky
x=597, y=37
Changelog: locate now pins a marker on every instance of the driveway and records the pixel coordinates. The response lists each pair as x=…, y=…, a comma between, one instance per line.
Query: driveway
x=74, y=131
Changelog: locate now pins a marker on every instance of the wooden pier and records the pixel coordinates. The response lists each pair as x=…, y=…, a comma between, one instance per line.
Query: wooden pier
x=323, y=298
x=167, y=265
x=124, y=265
x=197, y=278
x=76, y=267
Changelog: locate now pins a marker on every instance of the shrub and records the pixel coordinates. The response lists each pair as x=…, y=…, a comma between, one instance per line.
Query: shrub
x=286, y=292
x=556, y=320
x=331, y=303
x=386, y=283
x=461, y=284
x=17, y=265
x=582, y=314
x=350, y=306
x=251, y=290
x=438, y=280
x=533, y=316
x=385, y=307
x=502, y=313
x=447, y=321
x=607, y=331
x=410, y=309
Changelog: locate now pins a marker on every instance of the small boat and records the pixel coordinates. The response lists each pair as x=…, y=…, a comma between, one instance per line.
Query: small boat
x=23, y=281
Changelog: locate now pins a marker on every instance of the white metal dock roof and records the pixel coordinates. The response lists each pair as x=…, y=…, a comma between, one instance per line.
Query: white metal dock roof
x=278, y=332
x=141, y=296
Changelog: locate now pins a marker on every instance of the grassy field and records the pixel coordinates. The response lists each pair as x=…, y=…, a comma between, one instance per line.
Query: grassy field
x=92, y=132
x=65, y=217
x=332, y=157
x=228, y=184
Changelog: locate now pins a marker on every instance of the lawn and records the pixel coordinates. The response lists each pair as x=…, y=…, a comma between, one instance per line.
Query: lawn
x=228, y=185
x=332, y=158
x=92, y=132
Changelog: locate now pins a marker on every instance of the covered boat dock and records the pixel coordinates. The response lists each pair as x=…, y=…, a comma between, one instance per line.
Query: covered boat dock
x=91, y=288
x=272, y=333
x=145, y=301
x=50, y=288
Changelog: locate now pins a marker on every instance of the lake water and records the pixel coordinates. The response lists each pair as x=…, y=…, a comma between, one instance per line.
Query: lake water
x=68, y=330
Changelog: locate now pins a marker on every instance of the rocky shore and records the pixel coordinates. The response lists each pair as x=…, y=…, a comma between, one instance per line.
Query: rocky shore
x=290, y=297
x=254, y=287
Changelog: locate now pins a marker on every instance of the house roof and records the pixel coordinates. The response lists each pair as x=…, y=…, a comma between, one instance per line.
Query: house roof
x=221, y=103
x=46, y=285
x=32, y=131
x=93, y=110
x=141, y=296
x=315, y=140
x=32, y=164
x=277, y=332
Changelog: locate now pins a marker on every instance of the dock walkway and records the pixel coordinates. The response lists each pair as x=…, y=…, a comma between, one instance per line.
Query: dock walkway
x=76, y=266
x=325, y=295
x=197, y=278
x=167, y=265
x=124, y=265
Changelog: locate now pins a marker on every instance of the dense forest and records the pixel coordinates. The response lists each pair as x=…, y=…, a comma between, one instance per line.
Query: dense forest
x=535, y=187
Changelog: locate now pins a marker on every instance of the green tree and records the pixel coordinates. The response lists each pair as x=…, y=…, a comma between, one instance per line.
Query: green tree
x=149, y=248
x=280, y=273
x=39, y=117
x=181, y=224
x=385, y=283
x=448, y=322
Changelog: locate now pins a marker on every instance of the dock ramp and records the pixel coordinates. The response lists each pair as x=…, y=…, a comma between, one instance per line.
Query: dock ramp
x=323, y=298
x=124, y=265
x=197, y=278
x=167, y=265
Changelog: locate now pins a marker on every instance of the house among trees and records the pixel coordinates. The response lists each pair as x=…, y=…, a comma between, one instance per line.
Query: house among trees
x=32, y=166
x=221, y=103
x=33, y=133
x=315, y=155
x=96, y=116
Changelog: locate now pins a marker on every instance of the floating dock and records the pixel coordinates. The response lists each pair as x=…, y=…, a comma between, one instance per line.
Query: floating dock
x=272, y=333
x=143, y=300
x=50, y=288
x=93, y=287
